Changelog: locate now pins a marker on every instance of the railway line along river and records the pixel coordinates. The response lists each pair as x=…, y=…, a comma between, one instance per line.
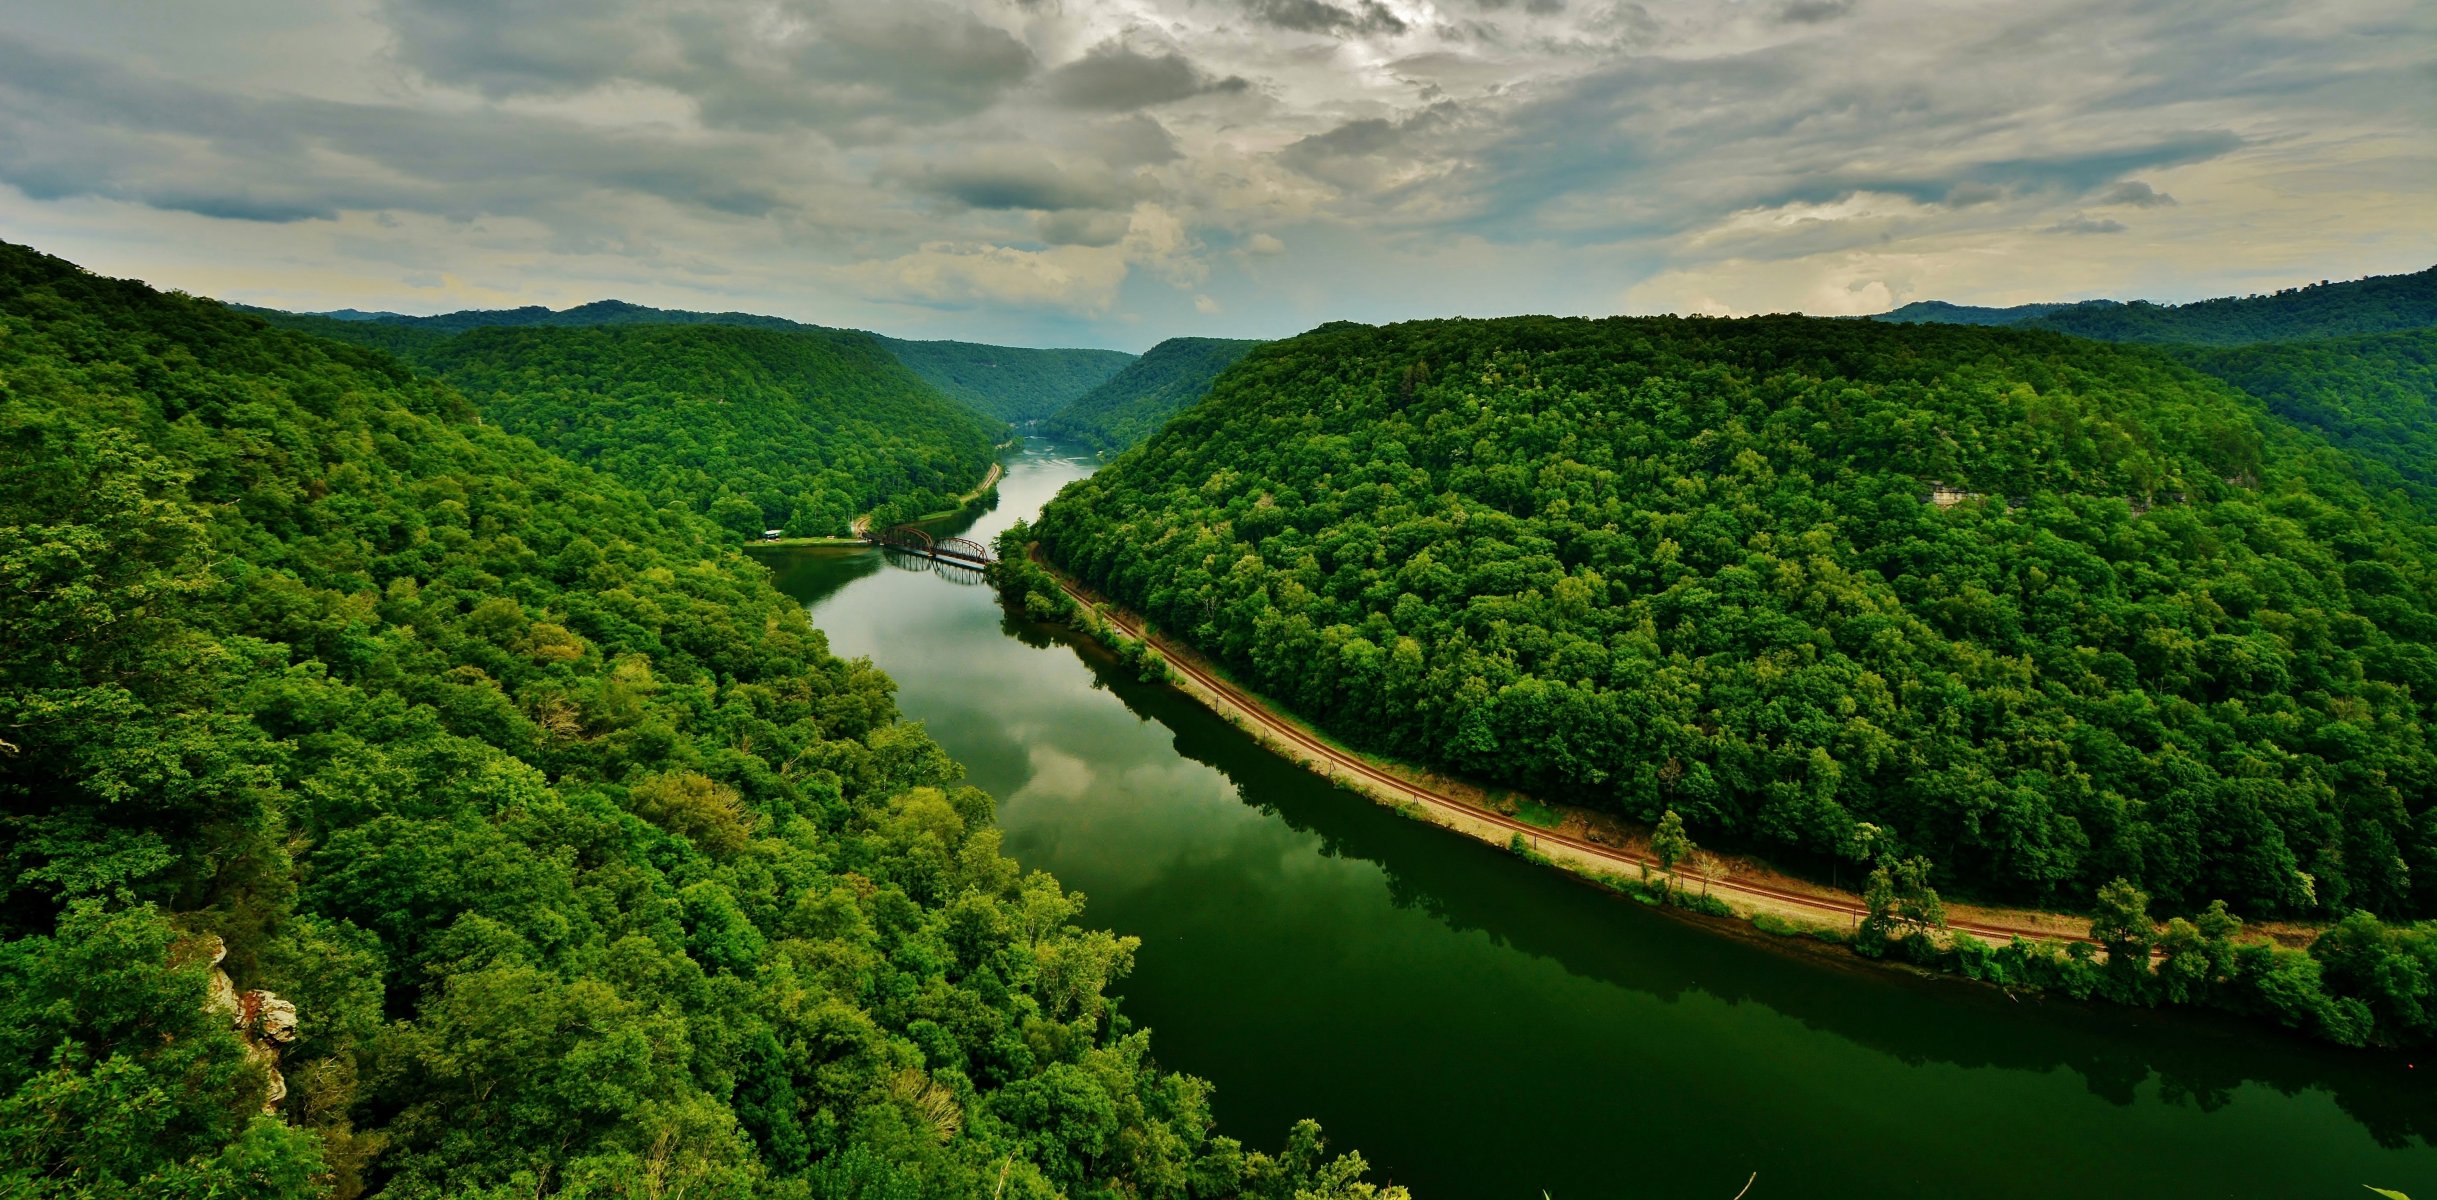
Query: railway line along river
x=1480, y=1027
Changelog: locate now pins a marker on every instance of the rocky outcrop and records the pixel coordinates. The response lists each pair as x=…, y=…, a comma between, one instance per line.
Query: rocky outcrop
x=264, y=1022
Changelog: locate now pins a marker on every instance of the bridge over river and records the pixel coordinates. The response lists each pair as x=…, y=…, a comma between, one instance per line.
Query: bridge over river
x=954, y=551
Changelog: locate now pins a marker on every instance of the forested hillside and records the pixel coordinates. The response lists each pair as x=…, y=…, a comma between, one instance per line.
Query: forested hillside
x=2379, y=304
x=587, y=868
x=2374, y=395
x=2046, y=612
x=1010, y=383
x=791, y=428
x=1132, y=405
x=1940, y=312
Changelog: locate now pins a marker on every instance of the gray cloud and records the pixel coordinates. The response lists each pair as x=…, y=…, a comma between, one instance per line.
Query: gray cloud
x=1005, y=165
x=78, y=127
x=1812, y=12
x=2135, y=193
x=1016, y=177
x=855, y=73
x=1318, y=16
x=1116, y=78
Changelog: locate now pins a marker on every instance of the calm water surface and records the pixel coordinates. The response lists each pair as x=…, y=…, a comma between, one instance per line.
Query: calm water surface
x=1481, y=1028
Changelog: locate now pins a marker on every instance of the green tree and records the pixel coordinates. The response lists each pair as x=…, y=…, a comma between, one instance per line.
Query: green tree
x=1669, y=843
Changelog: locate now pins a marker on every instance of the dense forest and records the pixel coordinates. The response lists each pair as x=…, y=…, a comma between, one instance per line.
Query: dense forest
x=799, y=429
x=2379, y=304
x=2047, y=612
x=1008, y=382
x=2374, y=395
x=587, y=869
x=1135, y=402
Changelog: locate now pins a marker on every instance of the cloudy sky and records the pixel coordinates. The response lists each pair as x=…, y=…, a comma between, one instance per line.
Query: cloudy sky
x=1110, y=173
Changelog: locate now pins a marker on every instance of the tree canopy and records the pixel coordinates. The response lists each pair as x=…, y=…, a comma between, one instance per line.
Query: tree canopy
x=2047, y=612
x=589, y=869
x=1010, y=383
x=2378, y=304
x=1133, y=404
x=797, y=429
x=2374, y=395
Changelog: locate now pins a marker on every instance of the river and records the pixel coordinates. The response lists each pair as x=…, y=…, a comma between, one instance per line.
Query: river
x=1479, y=1027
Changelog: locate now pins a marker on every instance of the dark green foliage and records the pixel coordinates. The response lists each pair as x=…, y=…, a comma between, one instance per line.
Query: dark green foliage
x=2360, y=983
x=2380, y=304
x=1008, y=382
x=1920, y=311
x=2374, y=395
x=1169, y=378
x=591, y=870
x=1694, y=565
x=797, y=429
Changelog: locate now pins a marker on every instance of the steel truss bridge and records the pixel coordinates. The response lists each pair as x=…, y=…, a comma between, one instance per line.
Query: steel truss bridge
x=955, y=551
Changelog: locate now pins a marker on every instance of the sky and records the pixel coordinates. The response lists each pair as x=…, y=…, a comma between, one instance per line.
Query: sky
x=1060, y=172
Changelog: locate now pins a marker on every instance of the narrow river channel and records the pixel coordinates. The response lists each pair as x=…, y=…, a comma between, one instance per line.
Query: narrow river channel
x=1481, y=1028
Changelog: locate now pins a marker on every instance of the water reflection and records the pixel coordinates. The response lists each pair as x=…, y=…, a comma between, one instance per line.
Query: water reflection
x=1479, y=1027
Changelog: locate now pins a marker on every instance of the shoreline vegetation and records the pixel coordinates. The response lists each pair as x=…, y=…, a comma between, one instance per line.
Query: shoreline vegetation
x=964, y=502
x=2118, y=953
x=397, y=808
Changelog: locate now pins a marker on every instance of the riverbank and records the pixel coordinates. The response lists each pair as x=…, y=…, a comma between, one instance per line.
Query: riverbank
x=1308, y=951
x=856, y=527
x=1584, y=843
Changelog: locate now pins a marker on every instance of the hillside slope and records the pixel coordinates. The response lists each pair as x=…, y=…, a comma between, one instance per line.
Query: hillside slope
x=792, y=428
x=1941, y=312
x=1706, y=565
x=2378, y=304
x=1008, y=382
x=2374, y=395
x=1133, y=404
x=1005, y=383
x=581, y=858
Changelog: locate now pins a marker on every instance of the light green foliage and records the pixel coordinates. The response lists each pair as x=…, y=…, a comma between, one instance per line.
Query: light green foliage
x=1169, y=378
x=1009, y=383
x=1669, y=843
x=591, y=872
x=1900, y=901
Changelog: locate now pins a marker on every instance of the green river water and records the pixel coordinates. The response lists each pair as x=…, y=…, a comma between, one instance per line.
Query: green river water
x=1479, y=1027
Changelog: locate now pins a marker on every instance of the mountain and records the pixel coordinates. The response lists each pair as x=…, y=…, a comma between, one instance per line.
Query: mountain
x=2374, y=395
x=1939, y=311
x=580, y=858
x=790, y=427
x=1136, y=401
x=1006, y=382
x=2379, y=304
x=2047, y=612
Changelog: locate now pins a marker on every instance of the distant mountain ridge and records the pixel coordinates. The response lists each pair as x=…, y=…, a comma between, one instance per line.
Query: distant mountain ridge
x=2377, y=304
x=1939, y=312
x=1008, y=383
x=1169, y=378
